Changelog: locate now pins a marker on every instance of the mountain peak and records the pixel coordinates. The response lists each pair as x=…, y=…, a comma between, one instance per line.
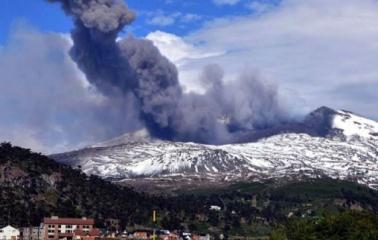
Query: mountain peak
x=320, y=120
x=324, y=109
x=322, y=113
x=326, y=121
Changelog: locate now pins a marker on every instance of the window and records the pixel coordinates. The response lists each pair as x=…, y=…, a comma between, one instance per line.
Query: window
x=68, y=226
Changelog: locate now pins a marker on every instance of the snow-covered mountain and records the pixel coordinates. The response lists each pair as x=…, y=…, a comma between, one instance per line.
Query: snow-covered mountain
x=338, y=144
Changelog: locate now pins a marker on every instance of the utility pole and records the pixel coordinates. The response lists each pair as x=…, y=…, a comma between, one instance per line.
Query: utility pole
x=154, y=223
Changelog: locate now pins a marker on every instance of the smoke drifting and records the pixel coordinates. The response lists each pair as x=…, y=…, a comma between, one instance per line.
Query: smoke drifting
x=134, y=68
x=46, y=103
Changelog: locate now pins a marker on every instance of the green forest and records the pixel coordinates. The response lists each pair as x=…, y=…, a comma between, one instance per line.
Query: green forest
x=33, y=186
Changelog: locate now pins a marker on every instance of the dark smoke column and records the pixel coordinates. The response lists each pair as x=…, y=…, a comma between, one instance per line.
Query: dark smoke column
x=130, y=66
x=97, y=23
x=135, y=69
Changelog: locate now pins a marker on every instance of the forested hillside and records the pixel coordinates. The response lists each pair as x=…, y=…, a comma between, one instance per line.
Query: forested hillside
x=33, y=186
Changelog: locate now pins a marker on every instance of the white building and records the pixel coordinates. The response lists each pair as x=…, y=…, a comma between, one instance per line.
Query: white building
x=9, y=233
x=215, y=208
x=33, y=233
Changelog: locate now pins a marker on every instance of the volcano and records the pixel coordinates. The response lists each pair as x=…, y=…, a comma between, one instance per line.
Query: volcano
x=327, y=143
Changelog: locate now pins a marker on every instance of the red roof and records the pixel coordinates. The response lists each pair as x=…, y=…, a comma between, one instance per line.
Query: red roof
x=69, y=221
x=79, y=232
x=66, y=234
x=93, y=233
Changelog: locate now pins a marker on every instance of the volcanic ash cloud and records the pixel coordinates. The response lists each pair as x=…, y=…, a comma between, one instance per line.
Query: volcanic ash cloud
x=134, y=68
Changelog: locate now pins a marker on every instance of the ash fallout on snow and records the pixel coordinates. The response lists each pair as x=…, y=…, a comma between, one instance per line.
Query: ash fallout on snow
x=134, y=70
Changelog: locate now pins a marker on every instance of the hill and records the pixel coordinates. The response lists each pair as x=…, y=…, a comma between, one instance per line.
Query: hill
x=33, y=186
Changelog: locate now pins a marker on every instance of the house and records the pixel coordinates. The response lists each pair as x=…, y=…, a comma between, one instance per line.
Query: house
x=200, y=237
x=215, y=208
x=186, y=236
x=80, y=234
x=56, y=228
x=32, y=233
x=204, y=237
x=9, y=233
x=122, y=235
x=142, y=234
x=190, y=236
x=168, y=236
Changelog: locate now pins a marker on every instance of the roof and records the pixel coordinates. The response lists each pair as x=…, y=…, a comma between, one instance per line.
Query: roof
x=79, y=232
x=69, y=221
x=94, y=232
x=142, y=232
x=9, y=227
x=65, y=234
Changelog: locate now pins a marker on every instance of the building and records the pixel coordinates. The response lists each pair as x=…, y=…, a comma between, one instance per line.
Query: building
x=56, y=228
x=168, y=236
x=113, y=224
x=32, y=233
x=141, y=234
x=204, y=237
x=186, y=236
x=215, y=208
x=9, y=233
x=85, y=235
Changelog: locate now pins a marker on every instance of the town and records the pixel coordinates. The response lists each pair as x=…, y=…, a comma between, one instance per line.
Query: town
x=59, y=228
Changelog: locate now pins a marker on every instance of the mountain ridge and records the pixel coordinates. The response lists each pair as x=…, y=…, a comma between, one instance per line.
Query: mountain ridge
x=333, y=143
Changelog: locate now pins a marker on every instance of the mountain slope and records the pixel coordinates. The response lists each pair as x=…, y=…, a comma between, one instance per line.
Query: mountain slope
x=32, y=186
x=331, y=143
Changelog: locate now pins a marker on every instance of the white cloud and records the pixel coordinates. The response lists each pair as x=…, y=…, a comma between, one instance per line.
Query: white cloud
x=225, y=2
x=182, y=53
x=176, y=49
x=190, y=17
x=160, y=18
x=323, y=51
x=260, y=6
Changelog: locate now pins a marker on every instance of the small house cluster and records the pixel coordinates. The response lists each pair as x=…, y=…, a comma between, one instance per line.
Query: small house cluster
x=56, y=228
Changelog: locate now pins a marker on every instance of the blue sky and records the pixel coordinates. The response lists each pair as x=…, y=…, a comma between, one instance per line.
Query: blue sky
x=37, y=13
x=175, y=16
x=317, y=52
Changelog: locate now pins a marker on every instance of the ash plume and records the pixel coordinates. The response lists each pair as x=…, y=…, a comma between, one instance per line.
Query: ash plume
x=135, y=67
